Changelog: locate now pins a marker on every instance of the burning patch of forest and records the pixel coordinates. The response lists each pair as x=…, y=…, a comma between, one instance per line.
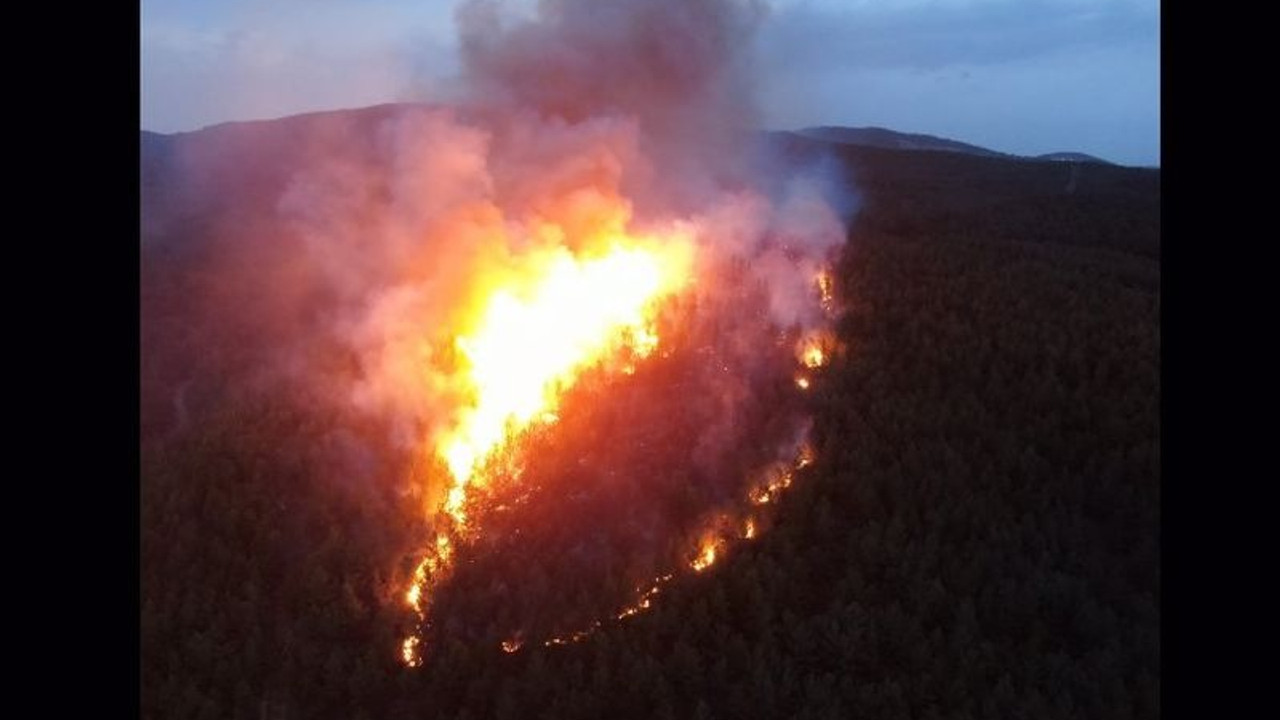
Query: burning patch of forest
x=579, y=307
x=643, y=477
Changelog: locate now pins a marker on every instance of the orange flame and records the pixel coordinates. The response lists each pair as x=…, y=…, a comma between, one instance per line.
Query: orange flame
x=814, y=356
x=806, y=456
x=826, y=287
x=529, y=342
x=706, y=557
x=409, y=651
x=533, y=340
x=814, y=349
x=709, y=548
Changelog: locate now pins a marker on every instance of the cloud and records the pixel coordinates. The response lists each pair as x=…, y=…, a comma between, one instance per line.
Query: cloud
x=1019, y=77
x=248, y=59
x=900, y=63
x=930, y=35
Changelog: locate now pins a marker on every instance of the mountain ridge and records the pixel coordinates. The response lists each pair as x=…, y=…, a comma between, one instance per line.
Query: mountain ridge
x=869, y=136
x=880, y=137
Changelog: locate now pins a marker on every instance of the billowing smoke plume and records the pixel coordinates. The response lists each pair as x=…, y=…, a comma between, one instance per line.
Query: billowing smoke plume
x=592, y=119
x=593, y=116
x=680, y=70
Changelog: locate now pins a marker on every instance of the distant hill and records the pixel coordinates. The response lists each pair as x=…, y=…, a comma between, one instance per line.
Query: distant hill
x=879, y=137
x=978, y=537
x=893, y=140
x=1071, y=157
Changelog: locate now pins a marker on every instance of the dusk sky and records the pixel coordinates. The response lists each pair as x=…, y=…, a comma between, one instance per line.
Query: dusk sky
x=1018, y=76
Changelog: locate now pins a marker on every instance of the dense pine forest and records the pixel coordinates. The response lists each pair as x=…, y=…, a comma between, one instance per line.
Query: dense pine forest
x=977, y=538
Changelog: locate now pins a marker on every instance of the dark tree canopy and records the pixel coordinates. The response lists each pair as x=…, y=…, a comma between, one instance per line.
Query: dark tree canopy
x=977, y=538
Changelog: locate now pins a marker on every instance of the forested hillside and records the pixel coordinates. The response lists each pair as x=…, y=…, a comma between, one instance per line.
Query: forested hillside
x=978, y=536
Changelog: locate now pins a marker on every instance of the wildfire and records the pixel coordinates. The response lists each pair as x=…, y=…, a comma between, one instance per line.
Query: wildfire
x=409, y=651
x=646, y=598
x=414, y=595
x=427, y=569
x=532, y=341
x=814, y=356
x=706, y=557
x=826, y=288
x=709, y=550
x=528, y=342
x=806, y=456
x=772, y=488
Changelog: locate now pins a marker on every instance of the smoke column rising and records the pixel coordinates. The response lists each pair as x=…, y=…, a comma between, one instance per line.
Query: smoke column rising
x=626, y=114
x=586, y=122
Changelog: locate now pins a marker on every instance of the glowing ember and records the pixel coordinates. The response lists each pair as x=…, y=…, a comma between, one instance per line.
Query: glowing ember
x=805, y=457
x=767, y=493
x=578, y=636
x=409, y=651
x=802, y=382
x=825, y=290
x=709, y=550
x=510, y=646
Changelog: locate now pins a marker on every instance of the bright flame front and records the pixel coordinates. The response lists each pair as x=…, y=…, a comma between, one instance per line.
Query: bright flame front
x=530, y=343
x=532, y=337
